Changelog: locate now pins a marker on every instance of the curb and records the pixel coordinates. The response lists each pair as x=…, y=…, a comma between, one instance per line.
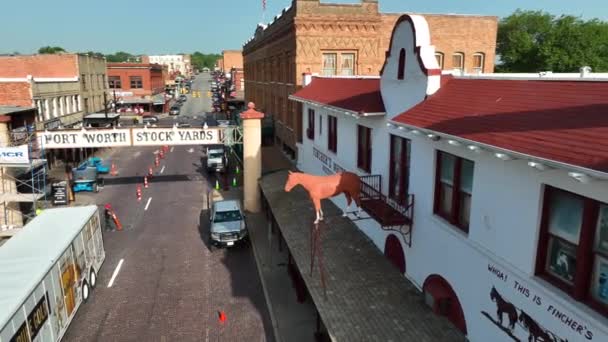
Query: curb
x=273, y=320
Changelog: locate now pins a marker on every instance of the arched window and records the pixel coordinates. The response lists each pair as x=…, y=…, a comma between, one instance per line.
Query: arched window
x=401, y=71
x=478, y=62
x=458, y=61
x=440, y=296
x=439, y=57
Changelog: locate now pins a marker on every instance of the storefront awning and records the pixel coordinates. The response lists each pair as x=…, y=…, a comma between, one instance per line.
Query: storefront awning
x=159, y=99
x=367, y=299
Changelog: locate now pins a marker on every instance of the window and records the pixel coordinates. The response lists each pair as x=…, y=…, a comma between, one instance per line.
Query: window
x=439, y=58
x=573, y=247
x=320, y=124
x=401, y=66
x=136, y=82
x=458, y=61
x=453, y=189
x=364, y=148
x=83, y=80
x=399, y=169
x=329, y=64
x=332, y=133
x=478, y=60
x=310, y=132
x=347, y=67
x=114, y=82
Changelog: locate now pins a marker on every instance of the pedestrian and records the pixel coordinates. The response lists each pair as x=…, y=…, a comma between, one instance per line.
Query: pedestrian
x=109, y=222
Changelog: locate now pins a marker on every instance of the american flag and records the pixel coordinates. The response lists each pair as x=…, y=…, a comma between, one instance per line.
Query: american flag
x=264, y=5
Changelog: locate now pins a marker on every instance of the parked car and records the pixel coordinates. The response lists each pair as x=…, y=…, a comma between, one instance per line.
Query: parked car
x=228, y=225
x=183, y=98
x=151, y=119
x=174, y=110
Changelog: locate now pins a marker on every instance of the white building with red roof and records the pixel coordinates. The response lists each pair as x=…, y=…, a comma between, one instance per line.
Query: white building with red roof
x=489, y=193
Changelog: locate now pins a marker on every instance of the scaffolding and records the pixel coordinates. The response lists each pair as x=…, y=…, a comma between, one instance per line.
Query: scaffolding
x=23, y=189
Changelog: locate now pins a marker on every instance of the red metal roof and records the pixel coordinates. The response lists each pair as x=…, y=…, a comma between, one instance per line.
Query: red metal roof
x=565, y=121
x=361, y=95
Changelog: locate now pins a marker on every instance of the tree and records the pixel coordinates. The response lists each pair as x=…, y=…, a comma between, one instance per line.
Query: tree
x=94, y=54
x=119, y=57
x=200, y=60
x=533, y=41
x=51, y=50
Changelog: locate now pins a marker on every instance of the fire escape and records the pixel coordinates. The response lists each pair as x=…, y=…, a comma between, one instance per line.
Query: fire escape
x=390, y=214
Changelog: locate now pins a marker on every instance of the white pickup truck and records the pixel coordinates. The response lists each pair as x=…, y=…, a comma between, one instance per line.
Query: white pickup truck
x=228, y=225
x=217, y=159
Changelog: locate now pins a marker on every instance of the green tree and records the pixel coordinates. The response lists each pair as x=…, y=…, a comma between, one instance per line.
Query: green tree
x=200, y=60
x=51, y=50
x=119, y=57
x=532, y=41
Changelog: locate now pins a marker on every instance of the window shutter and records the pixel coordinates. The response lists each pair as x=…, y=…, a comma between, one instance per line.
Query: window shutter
x=368, y=165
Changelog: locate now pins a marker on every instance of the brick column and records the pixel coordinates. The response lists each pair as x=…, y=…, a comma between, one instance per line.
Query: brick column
x=252, y=157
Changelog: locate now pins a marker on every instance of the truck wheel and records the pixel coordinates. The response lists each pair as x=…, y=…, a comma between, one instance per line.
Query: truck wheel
x=92, y=278
x=95, y=188
x=85, y=291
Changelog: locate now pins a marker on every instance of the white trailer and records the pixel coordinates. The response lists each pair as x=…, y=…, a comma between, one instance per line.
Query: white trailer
x=46, y=271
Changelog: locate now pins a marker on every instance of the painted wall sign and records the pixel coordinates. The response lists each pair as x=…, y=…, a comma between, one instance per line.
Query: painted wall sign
x=129, y=137
x=14, y=155
x=329, y=166
x=530, y=322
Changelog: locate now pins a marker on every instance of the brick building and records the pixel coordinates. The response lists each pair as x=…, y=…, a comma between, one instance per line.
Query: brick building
x=63, y=87
x=344, y=39
x=137, y=85
x=232, y=59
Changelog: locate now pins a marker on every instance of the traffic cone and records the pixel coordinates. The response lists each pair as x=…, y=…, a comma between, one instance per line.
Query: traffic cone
x=237, y=170
x=116, y=220
x=145, y=182
x=157, y=161
x=234, y=182
x=150, y=172
x=113, y=170
x=162, y=154
x=217, y=185
x=222, y=316
x=138, y=192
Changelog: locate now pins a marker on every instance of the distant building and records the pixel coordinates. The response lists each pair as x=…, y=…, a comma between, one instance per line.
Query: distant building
x=137, y=86
x=232, y=59
x=177, y=64
x=344, y=39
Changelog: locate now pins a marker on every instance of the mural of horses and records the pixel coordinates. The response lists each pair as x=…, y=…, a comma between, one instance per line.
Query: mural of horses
x=502, y=306
x=321, y=187
x=536, y=332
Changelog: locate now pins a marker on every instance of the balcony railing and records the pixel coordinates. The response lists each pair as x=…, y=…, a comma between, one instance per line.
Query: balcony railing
x=391, y=214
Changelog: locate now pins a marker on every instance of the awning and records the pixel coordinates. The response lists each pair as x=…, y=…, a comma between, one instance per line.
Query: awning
x=135, y=100
x=367, y=298
x=159, y=99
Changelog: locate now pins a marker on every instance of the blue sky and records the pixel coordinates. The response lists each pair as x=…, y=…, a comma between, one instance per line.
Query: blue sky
x=162, y=27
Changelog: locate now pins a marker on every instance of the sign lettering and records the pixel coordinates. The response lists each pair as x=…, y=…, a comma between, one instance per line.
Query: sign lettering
x=35, y=320
x=128, y=137
x=329, y=166
x=14, y=155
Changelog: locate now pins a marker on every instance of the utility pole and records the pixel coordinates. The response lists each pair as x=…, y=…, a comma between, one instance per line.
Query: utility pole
x=115, y=103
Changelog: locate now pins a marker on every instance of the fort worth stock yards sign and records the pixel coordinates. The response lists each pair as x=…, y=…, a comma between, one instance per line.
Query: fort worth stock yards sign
x=128, y=137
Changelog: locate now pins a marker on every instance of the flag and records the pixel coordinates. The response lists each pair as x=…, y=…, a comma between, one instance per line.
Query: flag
x=264, y=5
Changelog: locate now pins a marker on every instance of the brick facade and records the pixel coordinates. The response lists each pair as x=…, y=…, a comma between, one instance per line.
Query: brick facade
x=151, y=76
x=294, y=43
x=16, y=94
x=232, y=59
x=60, y=65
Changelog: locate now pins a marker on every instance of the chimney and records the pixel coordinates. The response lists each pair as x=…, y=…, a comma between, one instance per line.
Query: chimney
x=306, y=79
x=585, y=71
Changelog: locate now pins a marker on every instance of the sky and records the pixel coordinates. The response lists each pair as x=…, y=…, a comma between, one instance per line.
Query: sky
x=184, y=26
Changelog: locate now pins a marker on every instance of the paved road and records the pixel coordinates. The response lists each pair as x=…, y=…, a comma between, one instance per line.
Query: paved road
x=171, y=286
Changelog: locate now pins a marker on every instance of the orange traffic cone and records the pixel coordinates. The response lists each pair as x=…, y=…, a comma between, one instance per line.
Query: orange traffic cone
x=145, y=182
x=156, y=161
x=150, y=172
x=138, y=192
x=222, y=316
x=113, y=170
x=162, y=154
x=116, y=220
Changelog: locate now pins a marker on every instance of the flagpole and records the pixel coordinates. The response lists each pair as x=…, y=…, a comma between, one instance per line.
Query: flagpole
x=264, y=12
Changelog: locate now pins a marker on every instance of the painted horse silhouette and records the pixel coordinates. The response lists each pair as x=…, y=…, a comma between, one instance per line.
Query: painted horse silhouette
x=321, y=187
x=536, y=332
x=502, y=307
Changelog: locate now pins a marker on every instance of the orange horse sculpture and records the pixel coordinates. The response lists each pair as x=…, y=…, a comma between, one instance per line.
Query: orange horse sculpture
x=321, y=187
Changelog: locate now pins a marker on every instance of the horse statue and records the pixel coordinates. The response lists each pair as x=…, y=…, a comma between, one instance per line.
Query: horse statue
x=321, y=187
x=502, y=306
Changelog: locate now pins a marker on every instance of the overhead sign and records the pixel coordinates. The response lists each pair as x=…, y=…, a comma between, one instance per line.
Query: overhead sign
x=84, y=138
x=129, y=137
x=175, y=136
x=14, y=155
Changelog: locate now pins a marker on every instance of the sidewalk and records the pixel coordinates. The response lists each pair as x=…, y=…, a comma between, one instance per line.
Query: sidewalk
x=291, y=321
